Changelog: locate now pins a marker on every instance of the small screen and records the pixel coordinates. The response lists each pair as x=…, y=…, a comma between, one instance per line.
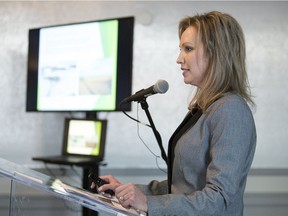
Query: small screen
x=84, y=137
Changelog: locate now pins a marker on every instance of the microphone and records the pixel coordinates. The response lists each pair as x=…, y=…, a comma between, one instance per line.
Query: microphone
x=161, y=86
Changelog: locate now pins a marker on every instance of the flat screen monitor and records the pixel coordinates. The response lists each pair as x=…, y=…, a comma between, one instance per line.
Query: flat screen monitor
x=81, y=66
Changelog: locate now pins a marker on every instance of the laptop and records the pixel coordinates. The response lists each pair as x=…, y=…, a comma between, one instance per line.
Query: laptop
x=83, y=143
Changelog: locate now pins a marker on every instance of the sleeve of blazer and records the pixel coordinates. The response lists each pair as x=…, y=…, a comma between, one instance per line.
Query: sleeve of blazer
x=232, y=139
x=155, y=188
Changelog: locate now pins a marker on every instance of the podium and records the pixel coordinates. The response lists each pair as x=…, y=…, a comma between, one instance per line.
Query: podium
x=88, y=166
x=18, y=174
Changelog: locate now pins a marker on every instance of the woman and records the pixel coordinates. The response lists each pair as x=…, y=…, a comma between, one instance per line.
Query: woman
x=211, y=152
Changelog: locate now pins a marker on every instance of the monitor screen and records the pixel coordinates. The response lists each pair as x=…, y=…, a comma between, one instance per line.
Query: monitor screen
x=80, y=67
x=84, y=136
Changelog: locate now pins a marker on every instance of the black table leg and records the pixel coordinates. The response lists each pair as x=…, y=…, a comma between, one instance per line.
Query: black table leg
x=86, y=184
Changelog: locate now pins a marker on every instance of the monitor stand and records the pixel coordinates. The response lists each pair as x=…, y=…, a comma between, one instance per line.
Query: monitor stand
x=91, y=115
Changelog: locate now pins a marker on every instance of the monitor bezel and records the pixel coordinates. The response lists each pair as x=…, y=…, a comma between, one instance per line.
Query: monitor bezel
x=124, y=66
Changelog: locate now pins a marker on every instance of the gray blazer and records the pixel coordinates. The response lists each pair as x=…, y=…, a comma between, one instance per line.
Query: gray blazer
x=211, y=163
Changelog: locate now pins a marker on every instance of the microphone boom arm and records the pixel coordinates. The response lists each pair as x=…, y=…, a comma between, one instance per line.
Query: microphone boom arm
x=145, y=106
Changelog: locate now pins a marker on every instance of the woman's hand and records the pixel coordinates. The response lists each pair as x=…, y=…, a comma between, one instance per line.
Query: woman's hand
x=130, y=196
x=112, y=183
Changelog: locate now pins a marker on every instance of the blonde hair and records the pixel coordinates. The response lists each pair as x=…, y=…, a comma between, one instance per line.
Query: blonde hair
x=224, y=45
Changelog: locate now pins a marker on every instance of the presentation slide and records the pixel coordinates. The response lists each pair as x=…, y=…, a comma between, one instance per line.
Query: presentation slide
x=78, y=66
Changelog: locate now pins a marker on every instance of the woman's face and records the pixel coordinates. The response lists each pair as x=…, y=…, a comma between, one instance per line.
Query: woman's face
x=192, y=58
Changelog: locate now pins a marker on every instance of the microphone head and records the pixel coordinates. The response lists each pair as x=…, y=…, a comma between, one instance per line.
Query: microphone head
x=161, y=86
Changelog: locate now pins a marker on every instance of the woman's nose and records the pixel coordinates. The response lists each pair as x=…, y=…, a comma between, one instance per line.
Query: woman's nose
x=179, y=59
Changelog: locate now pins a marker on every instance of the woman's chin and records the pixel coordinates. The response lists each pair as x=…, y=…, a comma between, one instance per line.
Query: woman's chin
x=187, y=81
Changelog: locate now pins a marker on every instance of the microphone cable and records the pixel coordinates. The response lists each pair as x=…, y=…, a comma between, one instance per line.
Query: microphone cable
x=132, y=117
x=138, y=133
x=139, y=122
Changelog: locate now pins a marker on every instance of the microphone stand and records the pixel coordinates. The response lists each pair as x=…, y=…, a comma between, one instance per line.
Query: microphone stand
x=145, y=106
